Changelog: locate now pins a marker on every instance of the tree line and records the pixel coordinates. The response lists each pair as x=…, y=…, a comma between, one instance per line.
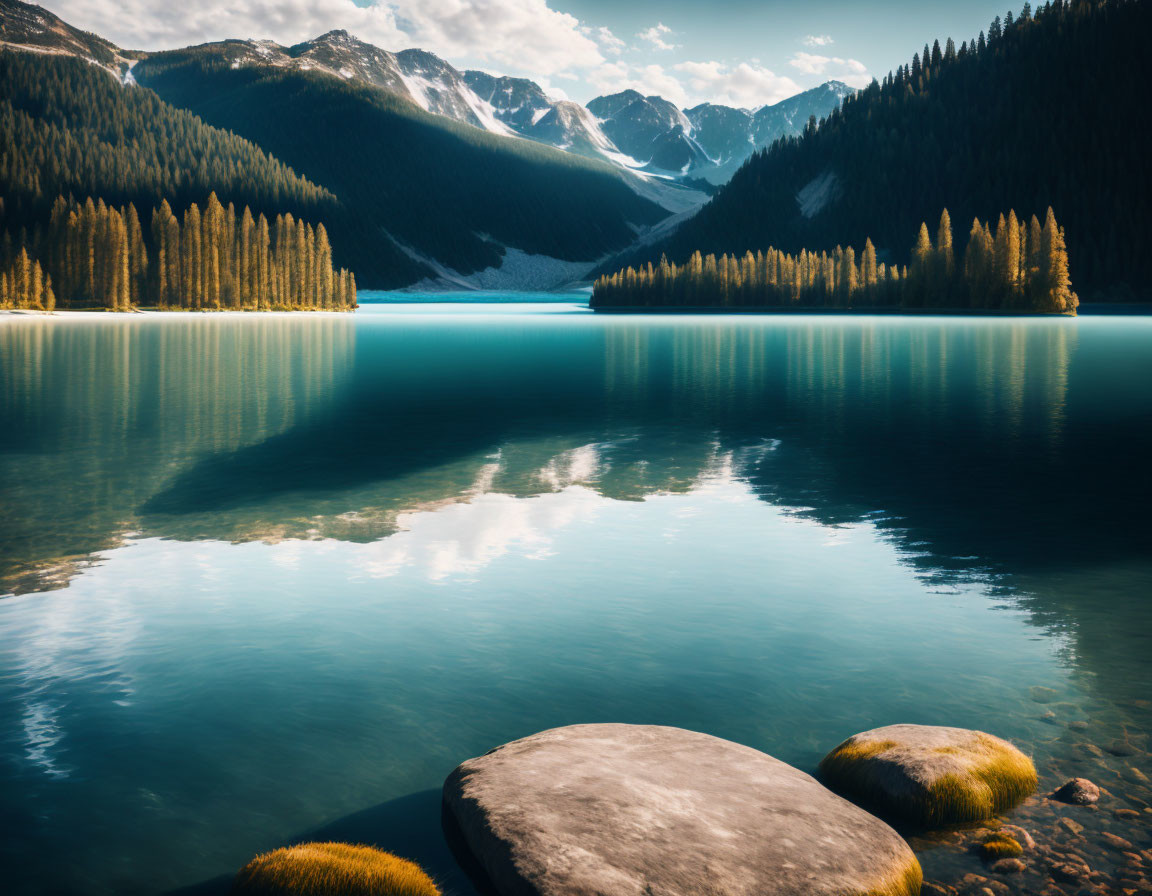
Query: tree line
x=94, y=255
x=1039, y=110
x=1017, y=266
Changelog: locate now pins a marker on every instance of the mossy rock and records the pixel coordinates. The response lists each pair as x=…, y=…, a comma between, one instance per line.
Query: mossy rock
x=930, y=776
x=332, y=869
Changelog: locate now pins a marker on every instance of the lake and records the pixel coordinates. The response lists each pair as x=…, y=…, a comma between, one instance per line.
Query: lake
x=271, y=577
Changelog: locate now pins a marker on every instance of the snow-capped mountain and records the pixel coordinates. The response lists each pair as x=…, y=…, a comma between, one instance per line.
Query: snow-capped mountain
x=421, y=77
x=571, y=127
x=517, y=102
x=789, y=116
x=647, y=128
x=723, y=132
x=645, y=134
x=707, y=141
x=650, y=130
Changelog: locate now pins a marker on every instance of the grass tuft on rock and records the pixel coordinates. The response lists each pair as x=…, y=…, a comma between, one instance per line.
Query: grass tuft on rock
x=332, y=869
x=905, y=882
x=970, y=780
x=1000, y=846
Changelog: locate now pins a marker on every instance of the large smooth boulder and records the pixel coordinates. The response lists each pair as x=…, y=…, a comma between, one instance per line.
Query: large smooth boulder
x=929, y=776
x=643, y=810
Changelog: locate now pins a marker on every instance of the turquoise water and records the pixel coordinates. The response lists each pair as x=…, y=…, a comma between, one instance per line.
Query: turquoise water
x=472, y=297
x=272, y=577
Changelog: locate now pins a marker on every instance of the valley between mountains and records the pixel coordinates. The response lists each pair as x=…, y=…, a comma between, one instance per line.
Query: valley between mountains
x=438, y=177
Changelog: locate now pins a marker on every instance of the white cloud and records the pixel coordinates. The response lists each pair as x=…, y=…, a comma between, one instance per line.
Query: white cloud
x=612, y=77
x=852, y=72
x=655, y=36
x=551, y=90
x=521, y=36
x=817, y=40
x=609, y=42
x=688, y=83
x=744, y=85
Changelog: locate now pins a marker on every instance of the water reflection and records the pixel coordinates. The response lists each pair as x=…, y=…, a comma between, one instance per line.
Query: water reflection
x=952, y=435
x=345, y=553
x=95, y=416
x=963, y=440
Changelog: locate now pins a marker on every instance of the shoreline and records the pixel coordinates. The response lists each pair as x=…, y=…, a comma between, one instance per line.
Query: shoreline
x=801, y=310
x=104, y=314
x=1111, y=309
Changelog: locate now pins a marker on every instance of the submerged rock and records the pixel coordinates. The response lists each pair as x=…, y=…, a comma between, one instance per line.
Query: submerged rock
x=1078, y=792
x=1069, y=873
x=1008, y=866
x=928, y=775
x=1115, y=842
x=1000, y=846
x=323, y=869
x=643, y=810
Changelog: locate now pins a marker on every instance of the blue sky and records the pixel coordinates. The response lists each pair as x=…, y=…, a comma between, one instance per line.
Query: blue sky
x=741, y=53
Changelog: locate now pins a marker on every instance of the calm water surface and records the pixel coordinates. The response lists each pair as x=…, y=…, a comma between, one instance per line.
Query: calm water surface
x=271, y=577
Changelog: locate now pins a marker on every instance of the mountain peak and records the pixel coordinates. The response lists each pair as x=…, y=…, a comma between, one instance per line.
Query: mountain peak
x=336, y=40
x=28, y=27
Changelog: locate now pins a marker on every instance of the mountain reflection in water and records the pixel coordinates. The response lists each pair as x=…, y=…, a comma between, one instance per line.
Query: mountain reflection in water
x=473, y=524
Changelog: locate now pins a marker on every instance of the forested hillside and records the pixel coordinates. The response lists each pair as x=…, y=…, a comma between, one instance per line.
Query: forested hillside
x=1043, y=110
x=68, y=127
x=448, y=191
x=80, y=153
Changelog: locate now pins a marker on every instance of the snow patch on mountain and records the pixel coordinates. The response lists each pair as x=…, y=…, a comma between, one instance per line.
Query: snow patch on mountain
x=818, y=194
x=518, y=270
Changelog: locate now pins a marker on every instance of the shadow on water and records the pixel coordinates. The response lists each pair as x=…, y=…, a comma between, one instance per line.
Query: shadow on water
x=410, y=827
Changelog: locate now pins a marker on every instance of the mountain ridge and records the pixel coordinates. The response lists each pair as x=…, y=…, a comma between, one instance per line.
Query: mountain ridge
x=647, y=140
x=653, y=137
x=402, y=184
x=232, y=84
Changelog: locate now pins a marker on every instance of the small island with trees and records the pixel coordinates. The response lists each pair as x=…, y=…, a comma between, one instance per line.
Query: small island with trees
x=1017, y=268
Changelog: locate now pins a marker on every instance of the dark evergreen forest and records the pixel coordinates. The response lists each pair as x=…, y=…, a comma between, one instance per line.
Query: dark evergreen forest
x=67, y=127
x=1043, y=110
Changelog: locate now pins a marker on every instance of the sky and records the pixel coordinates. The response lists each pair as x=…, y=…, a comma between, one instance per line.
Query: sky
x=745, y=53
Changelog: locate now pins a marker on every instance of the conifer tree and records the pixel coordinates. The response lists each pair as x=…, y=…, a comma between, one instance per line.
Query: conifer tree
x=1012, y=282
x=1056, y=285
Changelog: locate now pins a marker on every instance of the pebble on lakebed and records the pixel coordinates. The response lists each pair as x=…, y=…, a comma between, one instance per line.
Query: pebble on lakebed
x=323, y=869
x=1077, y=792
x=644, y=810
x=930, y=776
